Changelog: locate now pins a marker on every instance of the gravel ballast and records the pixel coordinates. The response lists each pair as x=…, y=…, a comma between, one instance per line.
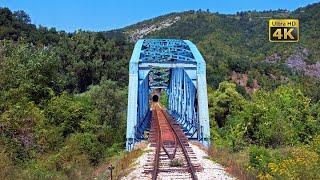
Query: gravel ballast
x=211, y=170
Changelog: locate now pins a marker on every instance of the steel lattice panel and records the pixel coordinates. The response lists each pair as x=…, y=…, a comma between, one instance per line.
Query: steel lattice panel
x=165, y=50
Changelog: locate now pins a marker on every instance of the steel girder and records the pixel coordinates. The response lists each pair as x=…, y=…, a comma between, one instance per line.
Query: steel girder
x=182, y=102
x=187, y=87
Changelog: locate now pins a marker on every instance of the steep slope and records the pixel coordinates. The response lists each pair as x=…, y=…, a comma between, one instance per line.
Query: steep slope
x=239, y=43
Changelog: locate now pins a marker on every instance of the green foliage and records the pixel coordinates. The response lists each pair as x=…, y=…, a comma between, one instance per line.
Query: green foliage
x=270, y=121
x=315, y=144
x=241, y=90
x=176, y=163
x=66, y=115
x=87, y=57
x=294, y=163
x=281, y=117
x=259, y=158
x=289, y=113
x=50, y=132
x=223, y=101
x=18, y=127
x=87, y=143
x=7, y=168
x=111, y=115
x=31, y=71
x=16, y=26
x=239, y=65
x=309, y=86
x=164, y=99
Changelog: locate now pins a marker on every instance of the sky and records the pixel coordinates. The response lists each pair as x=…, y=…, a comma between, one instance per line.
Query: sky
x=101, y=15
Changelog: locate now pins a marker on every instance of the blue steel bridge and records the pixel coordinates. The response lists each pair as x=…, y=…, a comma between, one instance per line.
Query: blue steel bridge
x=177, y=68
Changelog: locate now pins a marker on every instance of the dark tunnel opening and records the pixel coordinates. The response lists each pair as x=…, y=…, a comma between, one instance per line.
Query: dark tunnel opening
x=155, y=98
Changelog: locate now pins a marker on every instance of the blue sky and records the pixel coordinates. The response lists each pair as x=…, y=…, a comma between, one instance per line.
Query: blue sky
x=98, y=15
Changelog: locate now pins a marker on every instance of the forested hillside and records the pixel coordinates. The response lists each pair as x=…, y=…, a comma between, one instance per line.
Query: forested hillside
x=58, y=91
x=63, y=95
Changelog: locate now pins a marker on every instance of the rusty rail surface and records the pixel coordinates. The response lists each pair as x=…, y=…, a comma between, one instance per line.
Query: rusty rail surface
x=157, y=155
x=172, y=135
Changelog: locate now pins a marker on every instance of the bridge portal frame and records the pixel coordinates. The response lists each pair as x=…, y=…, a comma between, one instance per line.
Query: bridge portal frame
x=136, y=78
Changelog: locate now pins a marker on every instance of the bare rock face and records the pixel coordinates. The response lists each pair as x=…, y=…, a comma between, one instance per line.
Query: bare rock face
x=243, y=80
x=142, y=32
x=298, y=62
x=313, y=70
x=305, y=51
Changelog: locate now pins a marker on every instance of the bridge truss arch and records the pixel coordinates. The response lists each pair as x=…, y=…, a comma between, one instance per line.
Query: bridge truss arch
x=178, y=68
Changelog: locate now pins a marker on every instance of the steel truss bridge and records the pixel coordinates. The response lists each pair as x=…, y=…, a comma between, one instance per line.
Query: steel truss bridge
x=177, y=68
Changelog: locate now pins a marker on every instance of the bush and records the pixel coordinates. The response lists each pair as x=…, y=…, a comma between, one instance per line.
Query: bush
x=18, y=130
x=7, y=168
x=301, y=163
x=259, y=158
x=272, y=119
x=88, y=144
x=315, y=144
x=164, y=99
x=71, y=113
x=223, y=101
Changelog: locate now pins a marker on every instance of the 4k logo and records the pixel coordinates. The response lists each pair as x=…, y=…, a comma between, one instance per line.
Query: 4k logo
x=284, y=30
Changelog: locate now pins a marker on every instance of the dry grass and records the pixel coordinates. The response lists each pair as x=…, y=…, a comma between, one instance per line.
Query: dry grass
x=234, y=163
x=122, y=165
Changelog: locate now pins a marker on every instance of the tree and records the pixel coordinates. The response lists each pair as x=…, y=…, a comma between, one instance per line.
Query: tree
x=223, y=101
x=18, y=130
x=34, y=71
x=22, y=16
x=112, y=115
x=281, y=117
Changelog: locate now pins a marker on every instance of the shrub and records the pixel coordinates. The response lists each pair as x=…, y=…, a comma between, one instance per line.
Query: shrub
x=315, y=144
x=18, y=127
x=301, y=163
x=7, y=168
x=259, y=158
x=88, y=144
x=164, y=99
x=273, y=119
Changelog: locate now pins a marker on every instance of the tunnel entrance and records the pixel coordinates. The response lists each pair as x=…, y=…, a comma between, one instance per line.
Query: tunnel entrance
x=155, y=98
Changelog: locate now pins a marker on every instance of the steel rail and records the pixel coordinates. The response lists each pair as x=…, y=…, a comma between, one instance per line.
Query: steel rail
x=192, y=170
x=158, y=148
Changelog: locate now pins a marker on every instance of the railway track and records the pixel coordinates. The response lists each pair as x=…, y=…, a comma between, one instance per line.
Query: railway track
x=173, y=157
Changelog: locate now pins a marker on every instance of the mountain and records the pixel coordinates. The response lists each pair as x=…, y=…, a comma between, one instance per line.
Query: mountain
x=239, y=43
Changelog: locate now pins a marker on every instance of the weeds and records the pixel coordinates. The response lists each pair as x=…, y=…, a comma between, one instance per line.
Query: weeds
x=121, y=165
x=176, y=162
x=235, y=163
